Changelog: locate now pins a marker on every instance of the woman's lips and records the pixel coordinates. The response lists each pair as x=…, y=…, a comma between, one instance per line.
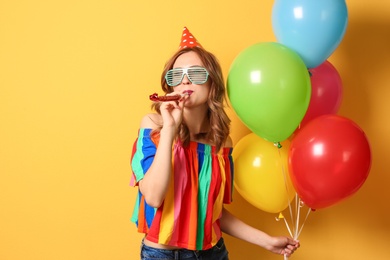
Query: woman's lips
x=188, y=92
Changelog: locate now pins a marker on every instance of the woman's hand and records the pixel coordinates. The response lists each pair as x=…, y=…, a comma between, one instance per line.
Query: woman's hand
x=172, y=112
x=283, y=245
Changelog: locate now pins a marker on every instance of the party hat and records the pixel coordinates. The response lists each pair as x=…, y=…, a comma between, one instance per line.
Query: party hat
x=188, y=40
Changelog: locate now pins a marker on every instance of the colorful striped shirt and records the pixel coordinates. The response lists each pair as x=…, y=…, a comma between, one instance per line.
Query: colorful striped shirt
x=201, y=182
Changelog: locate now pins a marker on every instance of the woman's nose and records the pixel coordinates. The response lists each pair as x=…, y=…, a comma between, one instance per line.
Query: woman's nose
x=185, y=80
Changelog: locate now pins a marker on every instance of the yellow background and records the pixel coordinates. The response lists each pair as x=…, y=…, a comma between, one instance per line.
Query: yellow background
x=75, y=76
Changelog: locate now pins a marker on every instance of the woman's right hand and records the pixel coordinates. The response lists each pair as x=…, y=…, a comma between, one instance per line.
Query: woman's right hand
x=172, y=112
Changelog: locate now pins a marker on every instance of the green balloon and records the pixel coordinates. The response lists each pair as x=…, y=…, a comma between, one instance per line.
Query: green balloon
x=269, y=88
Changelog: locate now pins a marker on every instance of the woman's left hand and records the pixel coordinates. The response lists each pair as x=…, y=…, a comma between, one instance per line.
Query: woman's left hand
x=283, y=245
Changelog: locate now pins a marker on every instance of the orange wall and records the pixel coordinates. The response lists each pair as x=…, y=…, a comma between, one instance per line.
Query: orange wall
x=74, y=80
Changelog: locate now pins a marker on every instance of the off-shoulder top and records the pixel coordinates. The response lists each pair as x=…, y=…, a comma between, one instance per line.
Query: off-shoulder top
x=201, y=182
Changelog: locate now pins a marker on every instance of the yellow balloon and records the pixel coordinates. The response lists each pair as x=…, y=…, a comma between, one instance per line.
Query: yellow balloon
x=261, y=174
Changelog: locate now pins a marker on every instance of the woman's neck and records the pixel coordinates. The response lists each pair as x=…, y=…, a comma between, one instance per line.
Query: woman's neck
x=197, y=122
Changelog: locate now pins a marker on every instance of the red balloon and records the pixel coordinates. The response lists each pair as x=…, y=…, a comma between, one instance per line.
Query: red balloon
x=326, y=92
x=329, y=160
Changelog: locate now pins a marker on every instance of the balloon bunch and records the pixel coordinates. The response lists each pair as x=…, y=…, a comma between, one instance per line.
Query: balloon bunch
x=288, y=94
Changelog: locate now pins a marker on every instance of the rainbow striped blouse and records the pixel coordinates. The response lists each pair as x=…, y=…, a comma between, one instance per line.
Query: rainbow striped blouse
x=201, y=182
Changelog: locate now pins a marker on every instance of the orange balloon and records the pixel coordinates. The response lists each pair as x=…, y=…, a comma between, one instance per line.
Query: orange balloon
x=261, y=173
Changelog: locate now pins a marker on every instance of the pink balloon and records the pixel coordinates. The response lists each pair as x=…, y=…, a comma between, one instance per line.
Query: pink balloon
x=326, y=92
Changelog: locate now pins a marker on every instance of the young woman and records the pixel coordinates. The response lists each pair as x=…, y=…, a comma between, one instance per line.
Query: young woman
x=183, y=167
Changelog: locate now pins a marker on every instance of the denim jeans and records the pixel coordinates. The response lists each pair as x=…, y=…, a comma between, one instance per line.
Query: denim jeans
x=217, y=252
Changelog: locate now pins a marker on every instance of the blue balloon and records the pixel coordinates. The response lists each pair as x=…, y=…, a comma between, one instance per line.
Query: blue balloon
x=312, y=28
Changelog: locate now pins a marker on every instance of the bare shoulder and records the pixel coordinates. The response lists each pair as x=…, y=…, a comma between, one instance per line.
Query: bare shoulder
x=152, y=120
x=229, y=142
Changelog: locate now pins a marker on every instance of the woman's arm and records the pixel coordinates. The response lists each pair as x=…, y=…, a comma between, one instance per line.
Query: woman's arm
x=155, y=183
x=233, y=226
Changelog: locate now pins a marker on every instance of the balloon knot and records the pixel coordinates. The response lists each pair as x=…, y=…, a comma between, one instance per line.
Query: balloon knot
x=277, y=144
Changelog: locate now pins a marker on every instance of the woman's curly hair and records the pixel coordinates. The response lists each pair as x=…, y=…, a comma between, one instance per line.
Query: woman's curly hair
x=219, y=121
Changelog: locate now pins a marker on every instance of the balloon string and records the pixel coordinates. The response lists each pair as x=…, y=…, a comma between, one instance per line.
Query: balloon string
x=307, y=215
x=288, y=227
x=295, y=219
x=288, y=197
x=298, y=210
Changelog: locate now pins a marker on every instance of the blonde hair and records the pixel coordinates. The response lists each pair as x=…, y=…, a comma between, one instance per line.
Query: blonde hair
x=219, y=121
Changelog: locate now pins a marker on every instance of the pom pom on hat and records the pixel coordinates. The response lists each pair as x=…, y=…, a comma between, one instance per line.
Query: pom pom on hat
x=188, y=40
